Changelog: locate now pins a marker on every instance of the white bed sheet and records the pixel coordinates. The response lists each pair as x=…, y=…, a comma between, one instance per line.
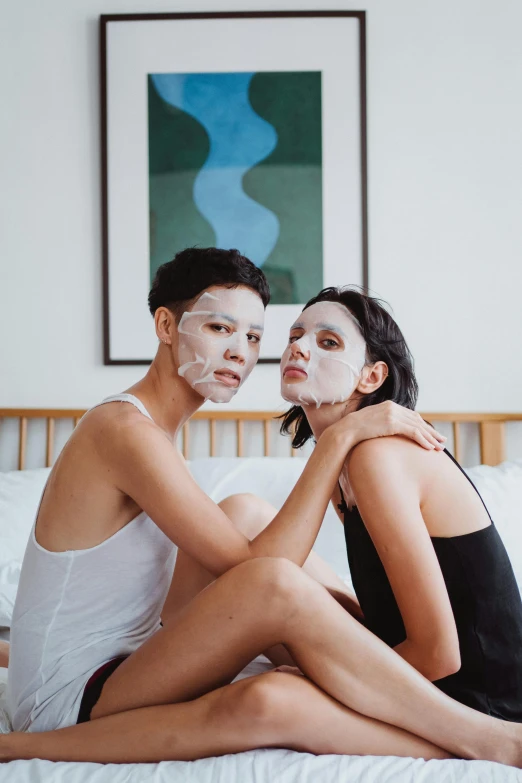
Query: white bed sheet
x=264, y=766
x=257, y=766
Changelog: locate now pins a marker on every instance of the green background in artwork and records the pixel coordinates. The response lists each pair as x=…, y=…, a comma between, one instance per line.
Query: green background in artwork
x=178, y=147
x=288, y=181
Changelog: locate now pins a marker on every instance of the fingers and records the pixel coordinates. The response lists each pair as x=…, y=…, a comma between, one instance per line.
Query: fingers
x=416, y=434
x=429, y=432
x=416, y=428
x=389, y=418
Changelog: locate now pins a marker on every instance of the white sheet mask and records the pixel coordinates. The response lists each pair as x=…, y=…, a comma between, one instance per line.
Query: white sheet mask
x=203, y=352
x=332, y=375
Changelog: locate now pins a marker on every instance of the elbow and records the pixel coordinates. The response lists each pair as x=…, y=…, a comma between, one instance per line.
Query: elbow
x=444, y=663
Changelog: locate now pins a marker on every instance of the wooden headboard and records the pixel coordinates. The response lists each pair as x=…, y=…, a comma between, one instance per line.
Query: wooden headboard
x=491, y=427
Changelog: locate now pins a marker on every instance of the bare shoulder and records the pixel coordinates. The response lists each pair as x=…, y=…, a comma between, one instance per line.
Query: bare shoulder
x=391, y=451
x=393, y=445
x=116, y=430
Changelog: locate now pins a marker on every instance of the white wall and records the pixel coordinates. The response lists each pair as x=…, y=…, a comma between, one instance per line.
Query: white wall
x=445, y=197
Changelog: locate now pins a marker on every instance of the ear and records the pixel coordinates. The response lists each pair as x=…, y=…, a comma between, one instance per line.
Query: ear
x=165, y=325
x=372, y=377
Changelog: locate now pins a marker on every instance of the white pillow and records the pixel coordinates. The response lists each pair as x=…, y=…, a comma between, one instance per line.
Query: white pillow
x=9, y=578
x=20, y=493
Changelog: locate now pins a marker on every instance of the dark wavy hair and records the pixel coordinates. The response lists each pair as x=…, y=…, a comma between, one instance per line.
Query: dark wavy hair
x=384, y=342
x=195, y=269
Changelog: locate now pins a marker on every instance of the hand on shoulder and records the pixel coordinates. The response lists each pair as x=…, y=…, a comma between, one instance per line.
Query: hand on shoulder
x=386, y=419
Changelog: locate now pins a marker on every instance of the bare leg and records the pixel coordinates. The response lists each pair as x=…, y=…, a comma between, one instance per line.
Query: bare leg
x=268, y=601
x=271, y=710
x=253, y=606
x=250, y=514
x=4, y=654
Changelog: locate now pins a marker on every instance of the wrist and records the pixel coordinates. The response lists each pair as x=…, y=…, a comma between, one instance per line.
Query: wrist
x=337, y=439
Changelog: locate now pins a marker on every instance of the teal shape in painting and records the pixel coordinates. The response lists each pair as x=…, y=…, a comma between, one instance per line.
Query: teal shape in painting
x=239, y=139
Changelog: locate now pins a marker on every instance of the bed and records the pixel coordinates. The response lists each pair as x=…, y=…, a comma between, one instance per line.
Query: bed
x=499, y=480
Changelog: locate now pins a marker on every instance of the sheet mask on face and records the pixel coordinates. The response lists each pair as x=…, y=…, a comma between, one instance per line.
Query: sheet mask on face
x=331, y=374
x=202, y=350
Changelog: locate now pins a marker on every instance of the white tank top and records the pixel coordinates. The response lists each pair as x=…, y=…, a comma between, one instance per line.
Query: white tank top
x=77, y=610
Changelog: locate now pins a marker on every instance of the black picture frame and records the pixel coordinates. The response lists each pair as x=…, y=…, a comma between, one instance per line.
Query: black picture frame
x=108, y=19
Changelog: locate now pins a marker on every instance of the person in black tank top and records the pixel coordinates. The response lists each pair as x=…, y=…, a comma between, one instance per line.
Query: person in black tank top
x=486, y=604
x=429, y=569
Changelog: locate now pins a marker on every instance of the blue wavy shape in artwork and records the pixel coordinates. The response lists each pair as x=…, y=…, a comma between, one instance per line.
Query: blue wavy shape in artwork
x=239, y=140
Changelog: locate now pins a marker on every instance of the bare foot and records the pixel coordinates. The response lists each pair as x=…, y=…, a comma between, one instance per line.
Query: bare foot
x=6, y=749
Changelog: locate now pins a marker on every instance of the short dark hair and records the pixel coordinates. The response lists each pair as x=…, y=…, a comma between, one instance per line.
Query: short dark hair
x=384, y=342
x=193, y=270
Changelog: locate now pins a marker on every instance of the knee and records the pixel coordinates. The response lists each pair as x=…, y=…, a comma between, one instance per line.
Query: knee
x=282, y=578
x=261, y=705
x=265, y=699
x=242, y=502
x=248, y=512
x=281, y=584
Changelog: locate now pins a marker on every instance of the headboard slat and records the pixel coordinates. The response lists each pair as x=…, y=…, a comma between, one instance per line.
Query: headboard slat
x=492, y=442
x=457, y=443
x=186, y=440
x=266, y=437
x=212, y=435
x=22, y=446
x=240, y=438
x=49, y=449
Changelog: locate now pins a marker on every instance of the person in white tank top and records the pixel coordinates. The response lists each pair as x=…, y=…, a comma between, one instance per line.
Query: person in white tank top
x=78, y=609
x=86, y=636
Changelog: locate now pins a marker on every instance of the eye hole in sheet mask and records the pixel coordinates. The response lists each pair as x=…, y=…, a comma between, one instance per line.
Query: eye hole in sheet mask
x=324, y=358
x=219, y=341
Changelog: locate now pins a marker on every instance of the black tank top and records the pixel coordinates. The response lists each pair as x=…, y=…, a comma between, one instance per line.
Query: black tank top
x=486, y=605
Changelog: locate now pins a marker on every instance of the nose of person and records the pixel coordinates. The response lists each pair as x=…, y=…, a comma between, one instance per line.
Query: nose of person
x=236, y=352
x=298, y=351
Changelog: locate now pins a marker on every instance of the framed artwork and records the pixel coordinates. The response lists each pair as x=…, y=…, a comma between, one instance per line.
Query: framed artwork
x=235, y=130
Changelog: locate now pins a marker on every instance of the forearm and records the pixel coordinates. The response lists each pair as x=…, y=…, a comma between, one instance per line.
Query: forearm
x=292, y=532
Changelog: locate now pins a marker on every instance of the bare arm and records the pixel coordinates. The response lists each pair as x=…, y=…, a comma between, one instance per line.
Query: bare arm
x=368, y=423
x=386, y=480
x=145, y=466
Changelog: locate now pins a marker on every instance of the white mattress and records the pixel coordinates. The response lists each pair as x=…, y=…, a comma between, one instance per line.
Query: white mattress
x=257, y=766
